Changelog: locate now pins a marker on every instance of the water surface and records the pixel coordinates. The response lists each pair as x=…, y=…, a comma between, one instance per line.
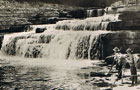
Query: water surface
x=42, y=74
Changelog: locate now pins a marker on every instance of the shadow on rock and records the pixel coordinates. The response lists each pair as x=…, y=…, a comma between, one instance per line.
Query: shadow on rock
x=102, y=83
x=99, y=74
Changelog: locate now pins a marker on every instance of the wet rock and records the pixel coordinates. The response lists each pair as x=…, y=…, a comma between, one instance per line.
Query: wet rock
x=40, y=30
x=102, y=84
x=98, y=74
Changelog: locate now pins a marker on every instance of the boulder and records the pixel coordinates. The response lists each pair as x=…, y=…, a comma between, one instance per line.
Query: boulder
x=52, y=20
x=40, y=30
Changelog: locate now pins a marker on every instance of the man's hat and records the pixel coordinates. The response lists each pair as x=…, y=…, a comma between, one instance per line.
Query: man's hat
x=129, y=50
x=116, y=49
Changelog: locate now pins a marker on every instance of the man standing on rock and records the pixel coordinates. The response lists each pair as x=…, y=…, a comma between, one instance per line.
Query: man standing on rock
x=133, y=70
x=119, y=61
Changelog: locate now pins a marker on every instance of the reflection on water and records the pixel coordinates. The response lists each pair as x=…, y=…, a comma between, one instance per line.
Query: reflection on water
x=21, y=75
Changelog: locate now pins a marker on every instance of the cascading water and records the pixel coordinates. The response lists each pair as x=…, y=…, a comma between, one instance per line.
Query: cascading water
x=95, y=12
x=90, y=24
x=90, y=13
x=54, y=44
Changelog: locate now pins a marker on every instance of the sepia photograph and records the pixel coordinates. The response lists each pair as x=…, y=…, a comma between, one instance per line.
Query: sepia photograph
x=69, y=44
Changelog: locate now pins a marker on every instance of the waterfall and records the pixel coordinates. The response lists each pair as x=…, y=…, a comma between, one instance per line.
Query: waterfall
x=90, y=24
x=54, y=44
x=67, y=39
x=90, y=13
x=95, y=12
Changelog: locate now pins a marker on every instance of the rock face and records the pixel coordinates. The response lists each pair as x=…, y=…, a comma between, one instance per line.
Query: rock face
x=121, y=39
x=14, y=15
x=128, y=14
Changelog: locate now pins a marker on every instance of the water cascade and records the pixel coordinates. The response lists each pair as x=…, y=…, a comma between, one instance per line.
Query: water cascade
x=95, y=12
x=90, y=24
x=90, y=13
x=54, y=44
x=67, y=39
x=63, y=40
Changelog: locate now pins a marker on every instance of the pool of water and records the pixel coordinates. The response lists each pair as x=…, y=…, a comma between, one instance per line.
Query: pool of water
x=41, y=74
